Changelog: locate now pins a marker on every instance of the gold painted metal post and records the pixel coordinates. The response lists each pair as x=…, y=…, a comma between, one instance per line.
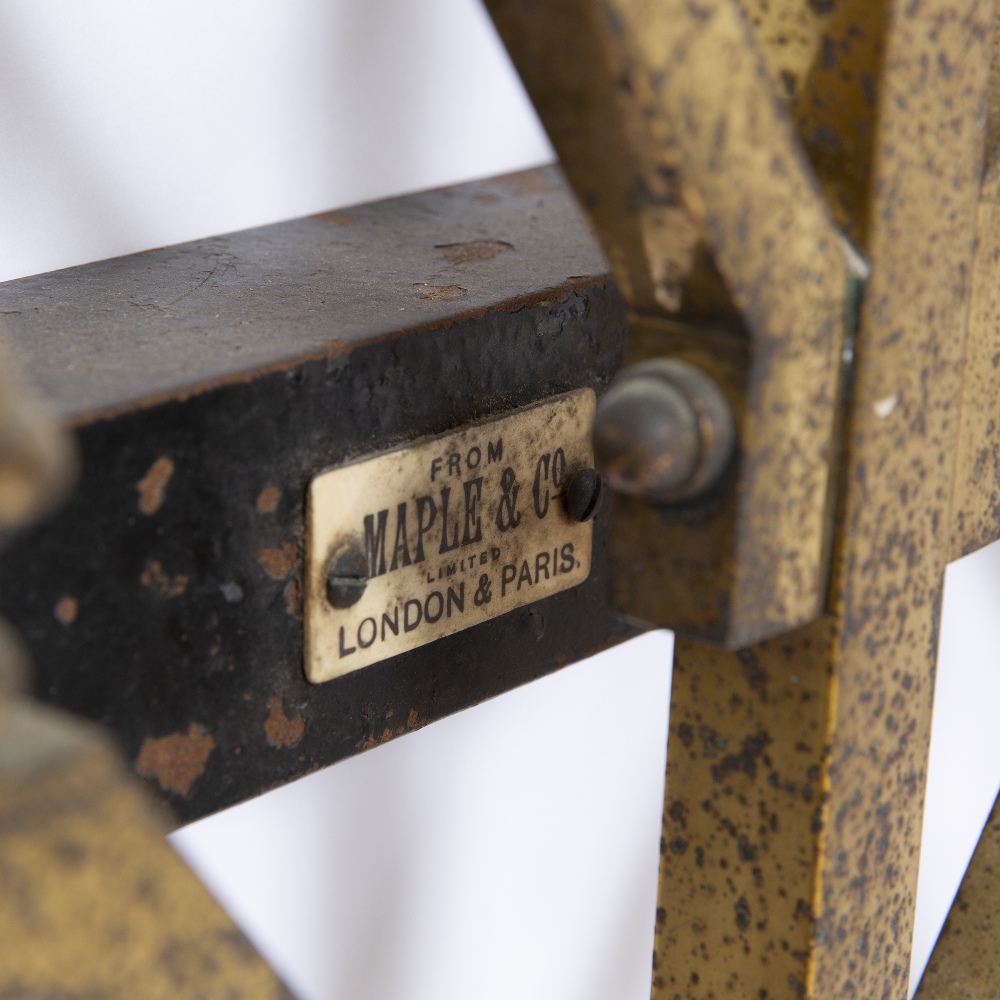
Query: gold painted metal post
x=977, y=479
x=797, y=765
x=673, y=136
x=93, y=901
x=743, y=811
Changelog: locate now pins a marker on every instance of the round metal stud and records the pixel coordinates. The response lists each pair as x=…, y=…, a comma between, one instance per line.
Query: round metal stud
x=663, y=432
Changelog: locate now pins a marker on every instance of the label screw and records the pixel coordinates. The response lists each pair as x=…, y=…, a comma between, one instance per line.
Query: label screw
x=346, y=577
x=583, y=494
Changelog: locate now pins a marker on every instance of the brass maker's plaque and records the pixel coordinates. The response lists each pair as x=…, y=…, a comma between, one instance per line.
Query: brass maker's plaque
x=422, y=542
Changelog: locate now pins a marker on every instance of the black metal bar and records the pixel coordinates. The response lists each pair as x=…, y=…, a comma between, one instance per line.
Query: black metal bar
x=208, y=384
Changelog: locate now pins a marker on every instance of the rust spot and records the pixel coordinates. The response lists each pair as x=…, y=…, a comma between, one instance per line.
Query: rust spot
x=440, y=293
x=533, y=181
x=612, y=640
x=279, y=562
x=268, y=499
x=279, y=729
x=387, y=734
x=413, y=720
x=486, y=198
x=66, y=610
x=153, y=485
x=293, y=598
x=336, y=218
x=153, y=576
x=177, y=760
x=475, y=250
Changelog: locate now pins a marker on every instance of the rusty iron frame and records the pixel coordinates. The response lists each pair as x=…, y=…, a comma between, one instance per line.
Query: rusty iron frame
x=203, y=404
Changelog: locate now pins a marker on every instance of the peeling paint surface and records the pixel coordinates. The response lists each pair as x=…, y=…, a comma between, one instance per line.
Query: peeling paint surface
x=474, y=250
x=282, y=731
x=153, y=486
x=156, y=578
x=268, y=500
x=440, y=293
x=66, y=610
x=177, y=760
x=293, y=598
x=337, y=218
x=278, y=562
x=976, y=515
x=889, y=101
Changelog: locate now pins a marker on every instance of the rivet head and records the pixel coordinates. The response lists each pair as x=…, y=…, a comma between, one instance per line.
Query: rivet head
x=346, y=576
x=583, y=493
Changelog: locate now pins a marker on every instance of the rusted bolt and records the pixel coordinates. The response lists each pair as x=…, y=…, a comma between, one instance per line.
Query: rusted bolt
x=346, y=576
x=583, y=494
x=663, y=432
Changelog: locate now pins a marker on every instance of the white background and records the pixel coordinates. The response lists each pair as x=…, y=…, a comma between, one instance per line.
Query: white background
x=509, y=851
x=480, y=850
x=128, y=124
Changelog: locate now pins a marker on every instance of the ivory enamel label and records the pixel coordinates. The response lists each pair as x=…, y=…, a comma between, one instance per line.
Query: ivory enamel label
x=444, y=534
